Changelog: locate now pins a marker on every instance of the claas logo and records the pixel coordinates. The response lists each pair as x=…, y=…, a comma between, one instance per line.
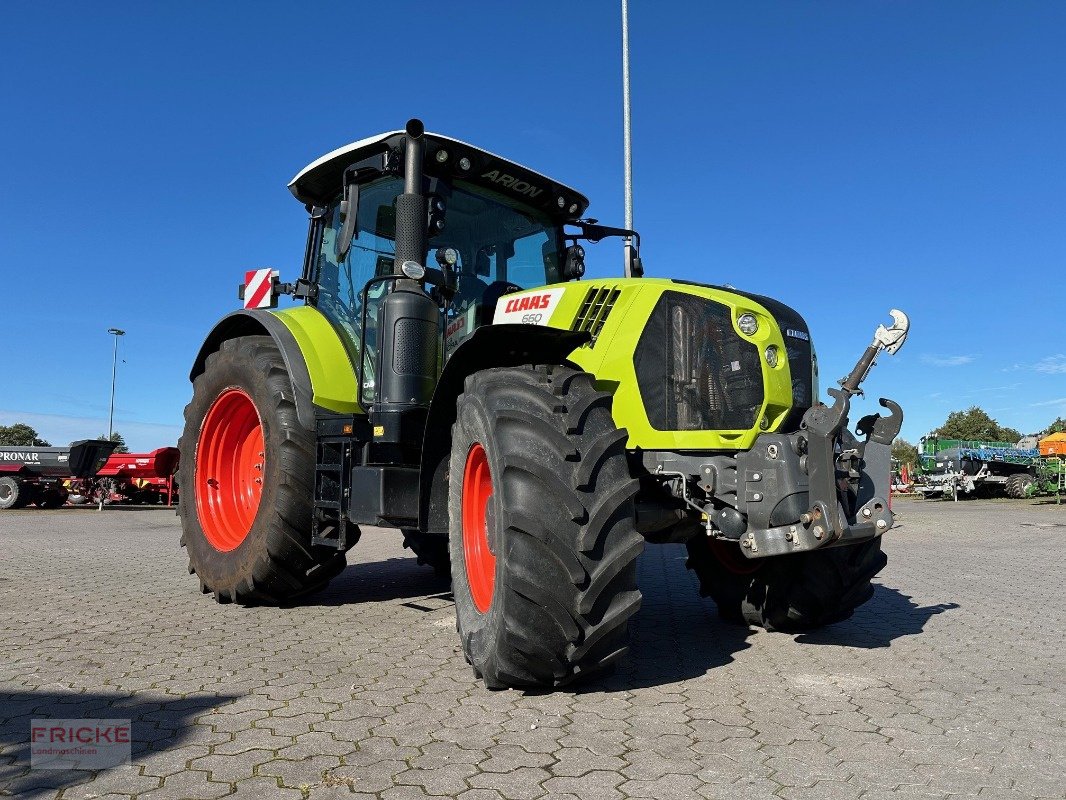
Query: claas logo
x=534, y=302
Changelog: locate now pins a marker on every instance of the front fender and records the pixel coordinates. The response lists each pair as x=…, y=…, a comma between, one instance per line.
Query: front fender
x=489, y=346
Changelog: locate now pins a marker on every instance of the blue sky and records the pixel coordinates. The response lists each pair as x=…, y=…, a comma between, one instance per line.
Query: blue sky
x=844, y=157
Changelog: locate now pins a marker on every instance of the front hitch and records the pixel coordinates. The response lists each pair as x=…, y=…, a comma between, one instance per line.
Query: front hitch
x=837, y=465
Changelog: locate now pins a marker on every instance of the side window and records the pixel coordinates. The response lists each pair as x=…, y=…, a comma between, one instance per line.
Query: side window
x=341, y=281
x=532, y=261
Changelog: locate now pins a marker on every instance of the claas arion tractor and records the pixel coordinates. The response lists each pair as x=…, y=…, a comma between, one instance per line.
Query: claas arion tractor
x=447, y=373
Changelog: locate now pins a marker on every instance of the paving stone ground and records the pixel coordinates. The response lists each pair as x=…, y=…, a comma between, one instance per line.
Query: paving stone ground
x=949, y=683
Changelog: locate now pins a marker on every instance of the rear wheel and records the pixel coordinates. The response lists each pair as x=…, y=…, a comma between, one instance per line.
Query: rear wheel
x=786, y=593
x=248, y=468
x=27, y=494
x=11, y=492
x=52, y=498
x=1019, y=486
x=543, y=542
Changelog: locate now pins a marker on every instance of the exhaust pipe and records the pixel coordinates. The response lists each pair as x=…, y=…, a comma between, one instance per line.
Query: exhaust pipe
x=411, y=205
x=409, y=321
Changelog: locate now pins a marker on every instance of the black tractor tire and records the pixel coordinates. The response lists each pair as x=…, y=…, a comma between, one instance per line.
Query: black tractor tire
x=1017, y=486
x=28, y=494
x=558, y=521
x=430, y=550
x=52, y=498
x=12, y=491
x=269, y=560
x=787, y=593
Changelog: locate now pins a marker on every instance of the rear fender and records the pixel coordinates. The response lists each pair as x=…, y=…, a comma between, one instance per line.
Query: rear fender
x=264, y=323
x=489, y=346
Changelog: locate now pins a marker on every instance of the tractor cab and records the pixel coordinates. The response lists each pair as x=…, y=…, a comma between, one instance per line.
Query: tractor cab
x=489, y=227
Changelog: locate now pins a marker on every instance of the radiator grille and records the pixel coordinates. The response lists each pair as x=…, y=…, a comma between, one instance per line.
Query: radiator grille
x=595, y=308
x=801, y=360
x=693, y=370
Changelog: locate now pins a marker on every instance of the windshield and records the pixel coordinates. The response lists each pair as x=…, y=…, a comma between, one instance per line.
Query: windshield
x=500, y=245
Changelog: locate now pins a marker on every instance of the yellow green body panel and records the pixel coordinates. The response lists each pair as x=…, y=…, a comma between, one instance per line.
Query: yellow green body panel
x=610, y=359
x=333, y=382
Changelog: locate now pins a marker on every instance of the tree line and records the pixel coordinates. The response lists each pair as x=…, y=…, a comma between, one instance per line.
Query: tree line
x=22, y=435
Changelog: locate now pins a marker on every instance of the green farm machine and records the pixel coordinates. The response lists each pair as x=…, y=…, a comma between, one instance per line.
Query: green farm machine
x=447, y=373
x=956, y=468
x=1047, y=471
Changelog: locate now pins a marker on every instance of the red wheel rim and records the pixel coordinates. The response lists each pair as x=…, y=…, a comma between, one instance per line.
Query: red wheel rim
x=729, y=556
x=479, y=559
x=230, y=463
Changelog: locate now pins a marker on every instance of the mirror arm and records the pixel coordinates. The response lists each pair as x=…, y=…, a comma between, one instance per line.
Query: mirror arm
x=443, y=280
x=349, y=212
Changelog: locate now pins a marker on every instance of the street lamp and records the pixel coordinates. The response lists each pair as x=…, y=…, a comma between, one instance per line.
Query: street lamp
x=627, y=138
x=114, y=368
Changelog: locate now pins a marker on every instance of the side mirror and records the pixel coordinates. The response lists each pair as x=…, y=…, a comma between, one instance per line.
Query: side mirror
x=349, y=211
x=574, y=262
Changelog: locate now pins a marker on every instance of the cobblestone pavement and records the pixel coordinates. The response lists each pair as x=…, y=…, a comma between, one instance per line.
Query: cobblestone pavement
x=949, y=683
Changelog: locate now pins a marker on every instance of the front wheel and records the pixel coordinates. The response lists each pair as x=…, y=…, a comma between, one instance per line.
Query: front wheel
x=247, y=471
x=542, y=535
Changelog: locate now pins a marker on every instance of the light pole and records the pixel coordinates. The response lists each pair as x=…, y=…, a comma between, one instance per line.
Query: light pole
x=627, y=136
x=114, y=370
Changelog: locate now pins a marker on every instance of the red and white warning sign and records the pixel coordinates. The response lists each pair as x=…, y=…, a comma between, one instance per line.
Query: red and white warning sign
x=258, y=286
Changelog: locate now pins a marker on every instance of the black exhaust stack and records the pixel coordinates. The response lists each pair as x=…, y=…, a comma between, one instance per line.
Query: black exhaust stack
x=409, y=325
x=411, y=205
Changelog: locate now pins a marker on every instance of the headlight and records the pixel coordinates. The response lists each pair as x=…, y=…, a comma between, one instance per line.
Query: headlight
x=771, y=355
x=748, y=324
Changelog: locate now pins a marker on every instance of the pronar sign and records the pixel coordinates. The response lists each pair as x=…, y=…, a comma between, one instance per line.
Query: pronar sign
x=16, y=455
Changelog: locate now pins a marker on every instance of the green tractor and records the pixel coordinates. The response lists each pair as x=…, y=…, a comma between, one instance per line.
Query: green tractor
x=447, y=374
x=1046, y=476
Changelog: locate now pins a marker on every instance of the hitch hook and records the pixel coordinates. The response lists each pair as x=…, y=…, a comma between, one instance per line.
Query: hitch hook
x=889, y=339
x=892, y=339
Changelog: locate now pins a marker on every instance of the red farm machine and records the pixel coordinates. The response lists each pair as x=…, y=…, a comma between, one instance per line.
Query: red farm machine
x=42, y=475
x=131, y=478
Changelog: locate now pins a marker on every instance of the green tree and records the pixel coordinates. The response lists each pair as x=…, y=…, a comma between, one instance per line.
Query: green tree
x=904, y=452
x=1010, y=435
x=20, y=435
x=976, y=425
x=116, y=437
x=1058, y=426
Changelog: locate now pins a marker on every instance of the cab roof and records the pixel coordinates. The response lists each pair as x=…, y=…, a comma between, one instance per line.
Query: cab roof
x=320, y=181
